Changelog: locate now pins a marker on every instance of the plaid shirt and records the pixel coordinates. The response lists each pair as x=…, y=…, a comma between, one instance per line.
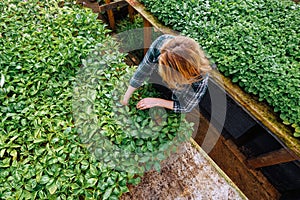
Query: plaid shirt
x=184, y=99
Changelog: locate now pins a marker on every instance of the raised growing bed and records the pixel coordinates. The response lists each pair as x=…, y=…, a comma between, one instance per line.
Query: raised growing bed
x=59, y=106
x=248, y=41
x=267, y=143
x=188, y=174
x=41, y=156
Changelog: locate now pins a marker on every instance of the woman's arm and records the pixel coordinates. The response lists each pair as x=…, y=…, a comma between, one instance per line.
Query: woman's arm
x=153, y=102
x=145, y=68
x=127, y=95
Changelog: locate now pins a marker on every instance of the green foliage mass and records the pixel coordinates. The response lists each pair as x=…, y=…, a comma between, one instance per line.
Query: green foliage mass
x=122, y=137
x=44, y=154
x=131, y=34
x=256, y=43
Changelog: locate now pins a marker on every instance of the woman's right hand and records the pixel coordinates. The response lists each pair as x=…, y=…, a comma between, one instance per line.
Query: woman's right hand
x=127, y=95
x=124, y=101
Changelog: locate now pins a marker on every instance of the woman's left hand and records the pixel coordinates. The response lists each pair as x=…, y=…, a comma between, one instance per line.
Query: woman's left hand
x=147, y=103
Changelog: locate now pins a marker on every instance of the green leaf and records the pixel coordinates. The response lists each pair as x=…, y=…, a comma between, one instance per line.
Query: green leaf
x=52, y=188
x=157, y=166
x=110, y=181
x=161, y=156
x=124, y=189
x=297, y=134
x=144, y=159
x=74, y=186
x=2, y=80
x=68, y=130
x=149, y=145
x=136, y=181
x=94, y=171
x=91, y=182
x=107, y=193
x=44, y=179
x=14, y=154
x=2, y=152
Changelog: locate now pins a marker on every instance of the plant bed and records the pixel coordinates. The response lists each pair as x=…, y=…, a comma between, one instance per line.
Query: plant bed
x=231, y=160
x=41, y=154
x=107, y=10
x=61, y=79
x=257, y=33
x=280, y=135
x=46, y=148
x=131, y=35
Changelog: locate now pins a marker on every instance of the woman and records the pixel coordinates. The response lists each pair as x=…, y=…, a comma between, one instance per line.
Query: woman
x=175, y=62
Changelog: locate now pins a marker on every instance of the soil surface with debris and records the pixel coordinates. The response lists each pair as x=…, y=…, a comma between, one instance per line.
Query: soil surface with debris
x=188, y=174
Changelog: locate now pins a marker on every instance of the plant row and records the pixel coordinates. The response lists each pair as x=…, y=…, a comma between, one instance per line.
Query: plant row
x=256, y=43
x=59, y=131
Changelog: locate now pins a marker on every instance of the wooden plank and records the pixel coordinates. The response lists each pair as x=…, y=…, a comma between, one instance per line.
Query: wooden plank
x=229, y=158
x=147, y=35
x=131, y=13
x=92, y=5
x=112, y=5
x=218, y=169
x=111, y=17
x=272, y=158
x=153, y=20
x=103, y=8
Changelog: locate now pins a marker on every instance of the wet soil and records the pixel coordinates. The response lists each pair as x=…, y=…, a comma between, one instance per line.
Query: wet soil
x=188, y=174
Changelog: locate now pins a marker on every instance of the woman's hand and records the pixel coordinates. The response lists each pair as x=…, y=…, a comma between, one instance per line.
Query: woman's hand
x=152, y=102
x=127, y=95
x=124, y=101
x=147, y=103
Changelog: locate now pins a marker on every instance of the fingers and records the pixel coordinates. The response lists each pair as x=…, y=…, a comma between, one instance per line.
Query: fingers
x=147, y=103
x=124, y=101
x=141, y=105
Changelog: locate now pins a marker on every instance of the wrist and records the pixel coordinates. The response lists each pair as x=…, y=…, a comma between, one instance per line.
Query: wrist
x=129, y=92
x=165, y=103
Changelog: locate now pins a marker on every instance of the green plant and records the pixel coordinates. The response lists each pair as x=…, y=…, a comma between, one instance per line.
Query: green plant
x=41, y=157
x=43, y=152
x=122, y=137
x=131, y=35
x=255, y=43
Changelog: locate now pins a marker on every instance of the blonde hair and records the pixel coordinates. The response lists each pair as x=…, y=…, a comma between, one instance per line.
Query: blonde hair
x=182, y=62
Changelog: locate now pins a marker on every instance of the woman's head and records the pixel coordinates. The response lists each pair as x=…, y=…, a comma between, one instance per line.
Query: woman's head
x=182, y=62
